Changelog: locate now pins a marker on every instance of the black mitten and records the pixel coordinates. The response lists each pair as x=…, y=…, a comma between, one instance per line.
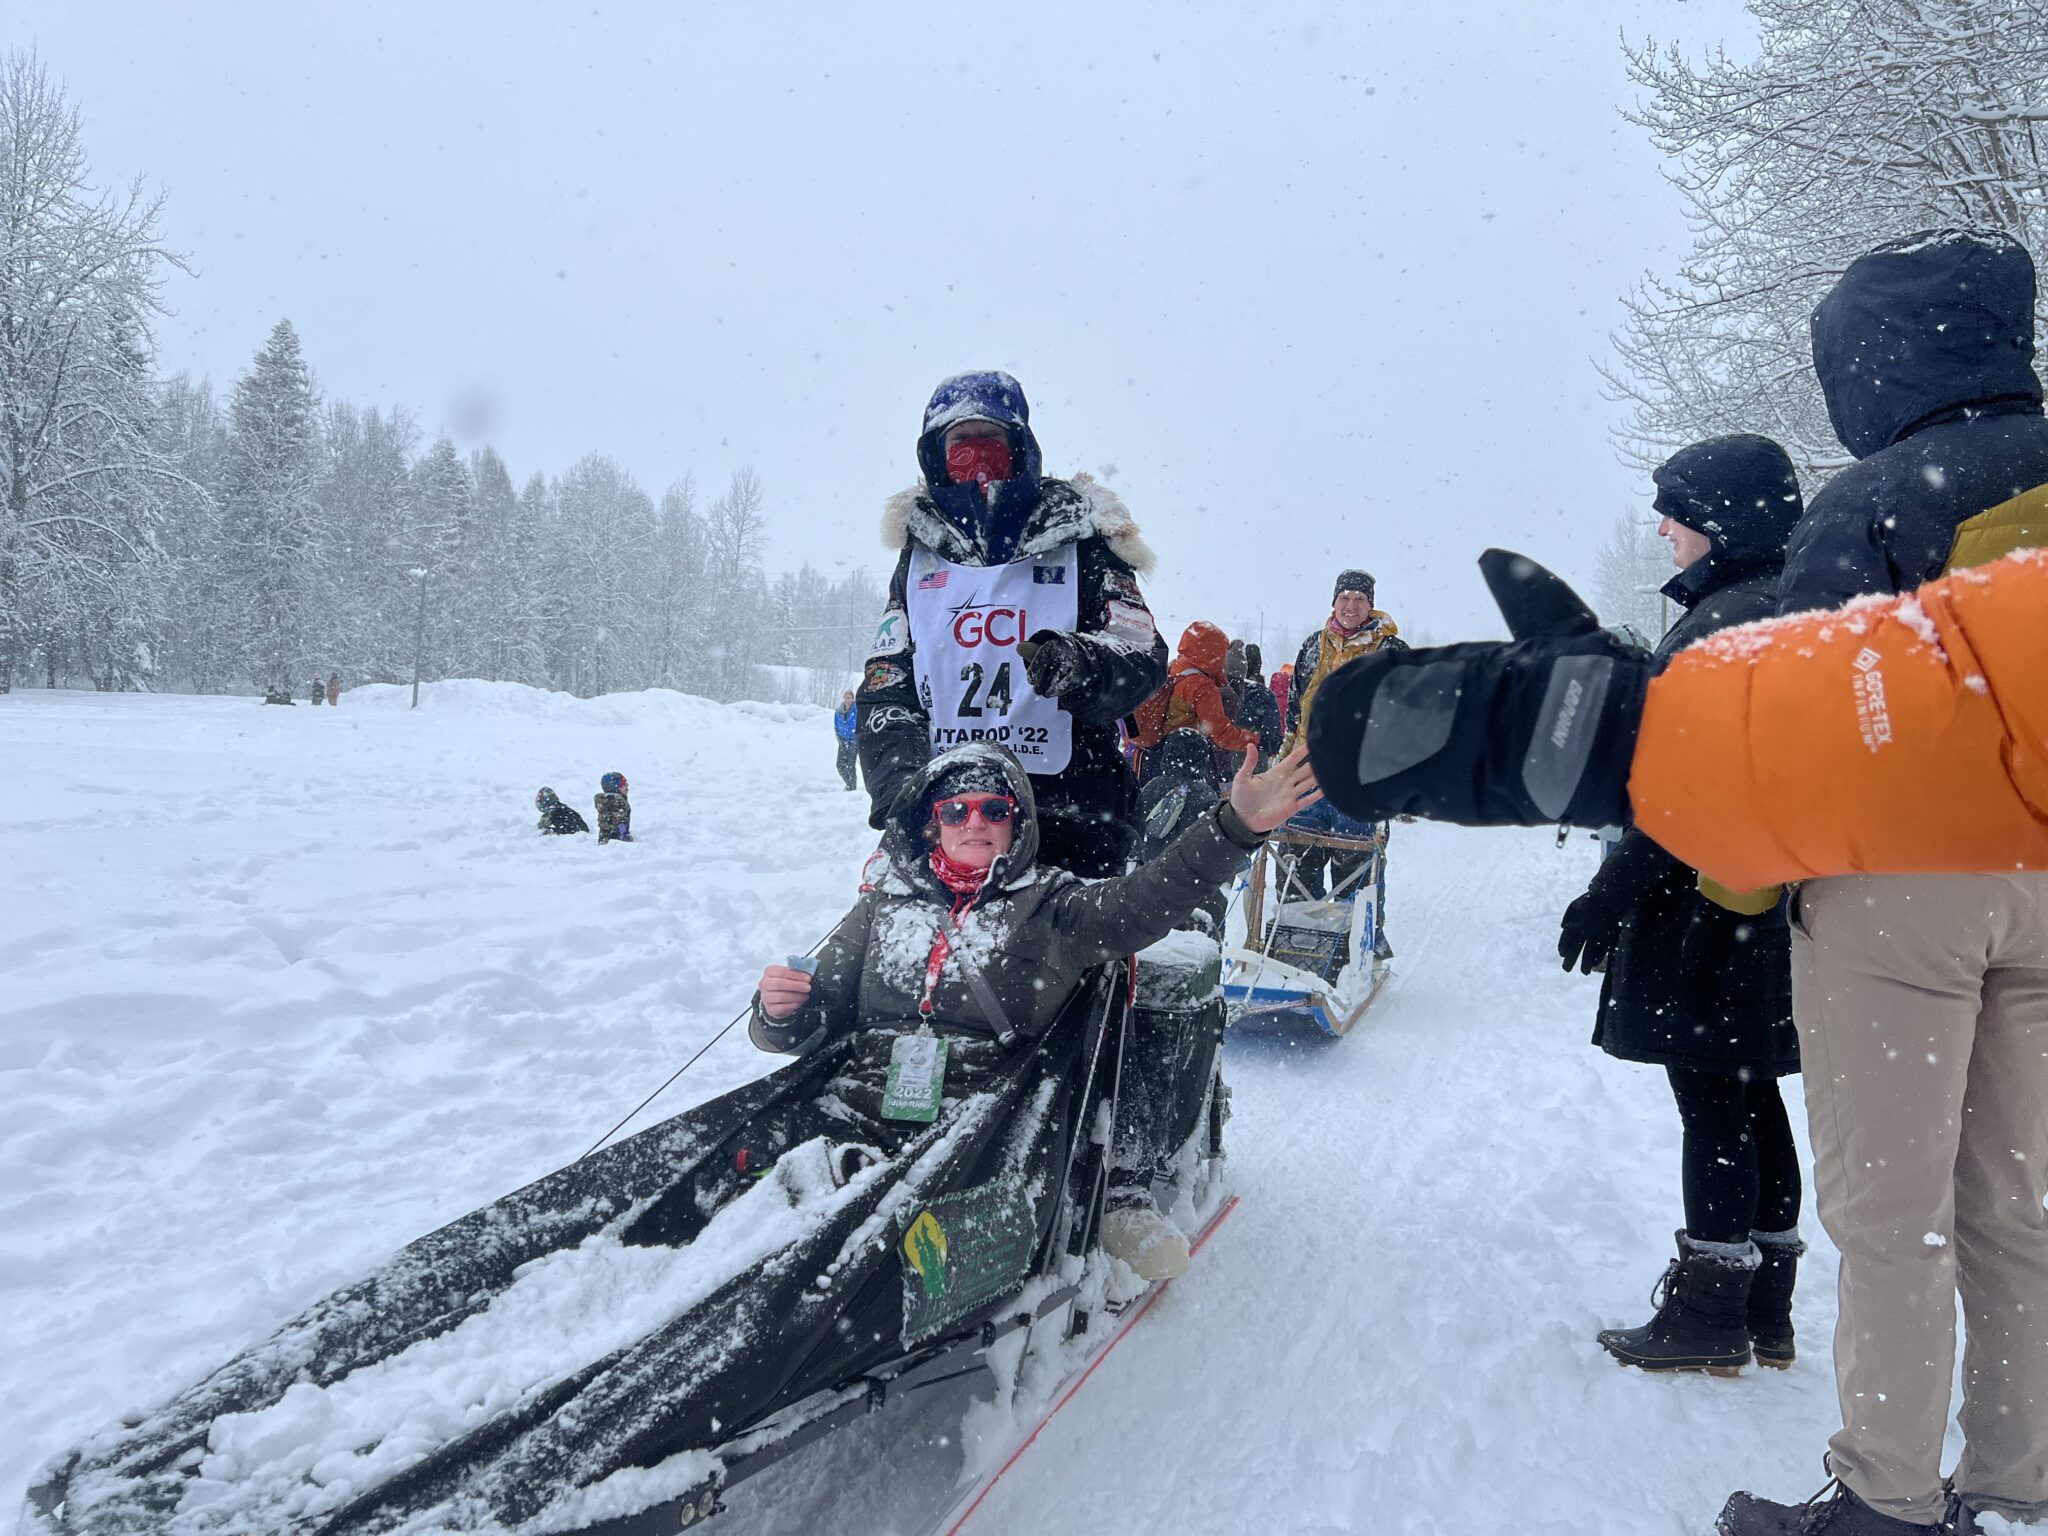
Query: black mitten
x=1055, y=666
x=1535, y=731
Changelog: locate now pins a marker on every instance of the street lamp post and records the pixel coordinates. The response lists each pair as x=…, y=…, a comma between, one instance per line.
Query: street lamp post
x=419, y=634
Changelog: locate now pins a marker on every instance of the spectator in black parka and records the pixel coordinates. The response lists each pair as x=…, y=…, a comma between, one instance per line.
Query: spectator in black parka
x=1704, y=992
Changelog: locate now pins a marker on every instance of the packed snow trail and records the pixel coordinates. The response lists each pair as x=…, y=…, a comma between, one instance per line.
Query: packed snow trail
x=286, y=989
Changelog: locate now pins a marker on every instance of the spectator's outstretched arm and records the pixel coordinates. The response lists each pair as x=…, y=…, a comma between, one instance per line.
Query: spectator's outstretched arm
x=1898, y=735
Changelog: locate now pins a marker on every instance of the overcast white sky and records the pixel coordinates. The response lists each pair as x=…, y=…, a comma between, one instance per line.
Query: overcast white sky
x=1324, y=284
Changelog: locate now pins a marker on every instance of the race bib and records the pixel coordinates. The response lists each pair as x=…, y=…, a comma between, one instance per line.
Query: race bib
x=966, y=622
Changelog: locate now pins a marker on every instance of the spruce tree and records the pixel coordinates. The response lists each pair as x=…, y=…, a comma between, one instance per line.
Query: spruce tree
x=269, y=533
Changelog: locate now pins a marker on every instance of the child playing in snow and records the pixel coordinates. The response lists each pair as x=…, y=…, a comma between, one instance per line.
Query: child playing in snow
x=557, y=819
x=614, y=810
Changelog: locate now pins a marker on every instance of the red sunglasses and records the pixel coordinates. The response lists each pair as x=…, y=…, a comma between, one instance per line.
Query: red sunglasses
x=994, y=809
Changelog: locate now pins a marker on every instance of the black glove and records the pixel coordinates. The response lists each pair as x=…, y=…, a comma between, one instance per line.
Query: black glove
x=1635, y=867
x=1537, y=731
x=1054, y=663
x=1588, y=934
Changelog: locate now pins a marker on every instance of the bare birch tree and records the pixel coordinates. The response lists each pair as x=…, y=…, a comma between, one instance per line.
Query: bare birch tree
x=79, y=275
x=1857, y=122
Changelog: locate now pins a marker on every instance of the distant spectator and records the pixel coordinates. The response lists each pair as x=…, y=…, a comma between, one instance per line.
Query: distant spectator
x=277, y=695
x=318, y=692
x=846, y=726
x=555, y=817
x=1282, y=684
x=1257, y=709
x=334, y=688
x=614, y=810
x=1192, y=699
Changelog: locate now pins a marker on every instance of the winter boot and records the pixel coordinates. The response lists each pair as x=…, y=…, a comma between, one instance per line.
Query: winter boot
x=1702, y=1313
x=1962, y=1517
x=1153, y=1246
x=1770, y=1297
x=1834, y=1511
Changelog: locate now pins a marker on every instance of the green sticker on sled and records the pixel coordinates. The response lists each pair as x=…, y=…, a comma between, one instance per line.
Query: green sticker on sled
x=961, y=1252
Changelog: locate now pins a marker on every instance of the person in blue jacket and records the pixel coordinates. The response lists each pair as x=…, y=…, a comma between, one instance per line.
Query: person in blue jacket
x=846, y=726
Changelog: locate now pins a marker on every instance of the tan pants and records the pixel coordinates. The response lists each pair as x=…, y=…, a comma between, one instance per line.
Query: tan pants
x=1922, y=1004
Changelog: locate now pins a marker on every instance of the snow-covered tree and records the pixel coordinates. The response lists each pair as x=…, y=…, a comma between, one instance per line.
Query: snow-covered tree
x=365, y=498
x=499, y=638
x=266, y=564
x=678, y=624
x=1627, y=573
x=80, y=479
x=604, y=534
x=1856, y=122
x=736, y=536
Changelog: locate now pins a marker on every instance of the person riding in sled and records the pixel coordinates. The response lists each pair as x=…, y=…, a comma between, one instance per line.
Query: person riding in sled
x=1013, y=617
x=968, y=946
x=614, y=810
x=555, y=817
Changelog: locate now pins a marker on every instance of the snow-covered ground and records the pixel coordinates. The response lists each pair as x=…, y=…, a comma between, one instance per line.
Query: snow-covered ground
x=281, y=989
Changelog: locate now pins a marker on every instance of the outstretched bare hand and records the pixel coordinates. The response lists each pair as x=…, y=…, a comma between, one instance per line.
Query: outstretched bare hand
x=1263, y=801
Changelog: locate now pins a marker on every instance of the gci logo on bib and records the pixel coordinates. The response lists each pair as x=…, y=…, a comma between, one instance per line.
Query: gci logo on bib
x=966, y=626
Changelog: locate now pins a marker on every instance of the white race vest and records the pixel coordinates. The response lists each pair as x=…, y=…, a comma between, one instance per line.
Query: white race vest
x=965, y=621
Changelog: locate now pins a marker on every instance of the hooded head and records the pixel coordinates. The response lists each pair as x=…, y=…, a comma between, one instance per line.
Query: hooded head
x=1203, y=648
x=545, y=799
x=1925, y=325
x=1740, y=491
x=976, y=768
x=991, y=519
x=1254, y=660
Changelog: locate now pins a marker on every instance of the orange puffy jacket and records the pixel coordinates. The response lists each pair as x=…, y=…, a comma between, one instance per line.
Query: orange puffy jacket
x=1898, y=735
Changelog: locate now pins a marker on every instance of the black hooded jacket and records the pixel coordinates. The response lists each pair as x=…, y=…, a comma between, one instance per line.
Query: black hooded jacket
x=1743, y=494
x=1089, y=807
x=1925, y=352
x=1655, y=1007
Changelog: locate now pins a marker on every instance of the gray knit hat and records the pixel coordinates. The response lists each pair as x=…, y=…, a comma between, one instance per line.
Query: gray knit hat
x=1354, y=581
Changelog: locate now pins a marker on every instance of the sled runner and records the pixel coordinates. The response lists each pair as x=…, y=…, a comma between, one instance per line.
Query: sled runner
x=612, y=1347
x=1306, y=957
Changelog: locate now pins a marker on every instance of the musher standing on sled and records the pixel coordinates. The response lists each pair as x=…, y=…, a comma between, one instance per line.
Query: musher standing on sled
x=1355, y=628
x=1014, y=617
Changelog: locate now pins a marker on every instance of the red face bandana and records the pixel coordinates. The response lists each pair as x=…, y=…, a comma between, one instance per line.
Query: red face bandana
x=979, y=460
x=960, y=879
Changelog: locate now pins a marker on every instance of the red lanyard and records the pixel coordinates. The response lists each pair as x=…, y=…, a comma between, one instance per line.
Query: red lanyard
x=942, y=946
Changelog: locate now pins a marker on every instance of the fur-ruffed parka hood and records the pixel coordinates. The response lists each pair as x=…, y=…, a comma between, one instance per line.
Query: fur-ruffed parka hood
x=1067, y=512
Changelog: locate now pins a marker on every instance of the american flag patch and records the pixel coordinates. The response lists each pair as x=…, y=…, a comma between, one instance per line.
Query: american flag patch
x=931, y=581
